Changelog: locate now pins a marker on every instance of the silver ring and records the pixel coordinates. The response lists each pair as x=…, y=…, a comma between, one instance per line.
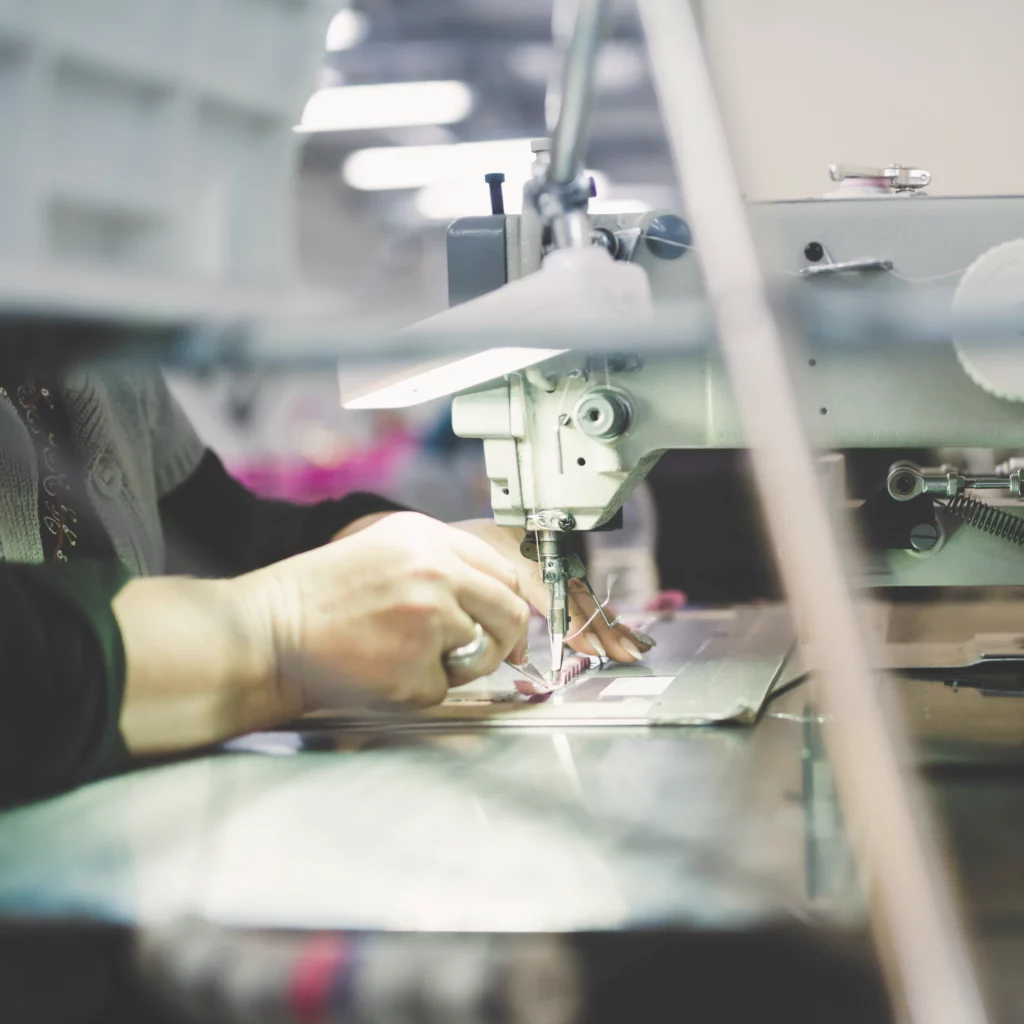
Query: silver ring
x=464, y=656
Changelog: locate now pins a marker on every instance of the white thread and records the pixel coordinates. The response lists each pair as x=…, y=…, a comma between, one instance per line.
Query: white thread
x=597, y=611
x=558, y=423
x=928, y=280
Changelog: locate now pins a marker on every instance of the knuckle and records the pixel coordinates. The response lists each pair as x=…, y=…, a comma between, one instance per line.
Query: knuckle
x=521, y=616
x=420, y=604
x=427, y=567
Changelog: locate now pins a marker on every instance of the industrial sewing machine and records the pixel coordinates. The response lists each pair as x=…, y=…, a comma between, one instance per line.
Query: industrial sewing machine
x=569, y=434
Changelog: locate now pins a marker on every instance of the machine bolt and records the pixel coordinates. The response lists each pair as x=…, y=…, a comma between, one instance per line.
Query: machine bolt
x=924, y=537
x=494, y=182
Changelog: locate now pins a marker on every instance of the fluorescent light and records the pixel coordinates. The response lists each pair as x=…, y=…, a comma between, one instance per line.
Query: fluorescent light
x=391, y=105
x=454, y=172
x=388, y=167
x=468, y=196
x=348, y=28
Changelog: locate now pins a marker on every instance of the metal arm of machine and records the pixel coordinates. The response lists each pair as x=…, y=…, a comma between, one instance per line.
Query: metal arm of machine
x=585, y=444
x=560, y=193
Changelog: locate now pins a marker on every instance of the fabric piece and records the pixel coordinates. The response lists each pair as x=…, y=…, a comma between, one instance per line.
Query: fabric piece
x=63, y=680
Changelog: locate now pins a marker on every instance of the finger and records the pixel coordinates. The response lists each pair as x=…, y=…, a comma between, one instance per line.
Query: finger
x=614, y=642
x=503, y=614
x=482, y=665
x=520, y=654
x=422, y=685
x=460, y=630
x=536, y=591
x=458, y=627
x=479, y=555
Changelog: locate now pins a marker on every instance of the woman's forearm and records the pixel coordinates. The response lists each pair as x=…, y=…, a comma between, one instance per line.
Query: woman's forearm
x=199, y=665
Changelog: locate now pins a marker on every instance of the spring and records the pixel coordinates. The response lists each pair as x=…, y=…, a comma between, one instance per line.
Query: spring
x=999, y=523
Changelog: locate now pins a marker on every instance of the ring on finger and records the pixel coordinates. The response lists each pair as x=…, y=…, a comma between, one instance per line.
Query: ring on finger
x=463, y=657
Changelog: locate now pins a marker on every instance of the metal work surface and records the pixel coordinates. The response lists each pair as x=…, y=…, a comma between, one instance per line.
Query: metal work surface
x=542, y=829
x=548, y=828
x=711, y=666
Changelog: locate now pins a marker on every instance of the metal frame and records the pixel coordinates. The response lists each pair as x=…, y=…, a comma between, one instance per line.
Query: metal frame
x=914, y=916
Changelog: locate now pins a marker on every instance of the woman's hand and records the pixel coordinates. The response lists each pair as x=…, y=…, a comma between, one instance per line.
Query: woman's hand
x=364, y=619
x=619, y=642
x=373, y=614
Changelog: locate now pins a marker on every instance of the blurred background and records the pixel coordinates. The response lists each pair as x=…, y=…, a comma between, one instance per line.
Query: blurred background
x=212, y=159
x=415, y=101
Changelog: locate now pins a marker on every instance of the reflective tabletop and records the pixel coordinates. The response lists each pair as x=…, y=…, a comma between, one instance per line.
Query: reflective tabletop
x=449, y=828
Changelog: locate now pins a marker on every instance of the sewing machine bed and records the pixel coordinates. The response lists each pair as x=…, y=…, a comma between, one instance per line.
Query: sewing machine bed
x=711, y=667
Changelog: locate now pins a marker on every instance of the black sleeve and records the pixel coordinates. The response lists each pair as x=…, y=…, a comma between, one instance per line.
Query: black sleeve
x=215, y=527
x=63, y=677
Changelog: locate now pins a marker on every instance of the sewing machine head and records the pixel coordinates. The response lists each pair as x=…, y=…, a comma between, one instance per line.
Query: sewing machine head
x=572, y=432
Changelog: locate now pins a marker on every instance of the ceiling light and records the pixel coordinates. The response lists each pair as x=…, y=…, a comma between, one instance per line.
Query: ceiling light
x=459, y=166
x=348, y=28
x=468, y=197
x=389, y=167
x=391, y=105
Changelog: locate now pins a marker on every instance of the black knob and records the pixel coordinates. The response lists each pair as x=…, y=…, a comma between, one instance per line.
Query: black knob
x=814, y=251
x=494, y=183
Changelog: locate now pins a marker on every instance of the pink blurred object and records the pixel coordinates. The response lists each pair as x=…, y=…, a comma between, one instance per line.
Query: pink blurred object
x=666, y=601
x=374, y=468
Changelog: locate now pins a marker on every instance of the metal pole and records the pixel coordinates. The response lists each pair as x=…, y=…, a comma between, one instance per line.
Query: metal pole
x=568, y=145
x=916, y=925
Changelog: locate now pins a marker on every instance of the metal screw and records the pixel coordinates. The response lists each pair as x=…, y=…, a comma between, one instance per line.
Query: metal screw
x=924, y=537
x=494, y=183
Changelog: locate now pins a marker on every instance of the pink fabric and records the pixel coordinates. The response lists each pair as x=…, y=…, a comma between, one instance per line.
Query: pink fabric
x=373, y=468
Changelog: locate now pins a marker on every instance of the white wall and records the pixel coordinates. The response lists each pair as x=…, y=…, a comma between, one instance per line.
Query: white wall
x=935, y=83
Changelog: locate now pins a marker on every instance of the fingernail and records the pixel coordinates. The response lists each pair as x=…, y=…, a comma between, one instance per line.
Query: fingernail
x=524, y=657
x=632, y=650
x=596, y=645
x=644, y=639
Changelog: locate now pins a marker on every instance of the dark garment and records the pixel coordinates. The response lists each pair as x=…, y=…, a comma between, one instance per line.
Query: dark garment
x=215, y=527
x=63, y=676
x=68, y=524
x=60, y=646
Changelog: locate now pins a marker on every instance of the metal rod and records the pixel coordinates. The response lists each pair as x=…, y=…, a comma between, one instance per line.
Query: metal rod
x=568, y=145
x=913, y=911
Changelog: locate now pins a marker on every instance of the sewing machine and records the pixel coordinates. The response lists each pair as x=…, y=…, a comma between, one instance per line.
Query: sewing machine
x=569, y=434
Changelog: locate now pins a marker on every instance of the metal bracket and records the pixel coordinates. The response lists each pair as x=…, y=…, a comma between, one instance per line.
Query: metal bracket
x=556, y=519
x=896, y=176
x=830, y=266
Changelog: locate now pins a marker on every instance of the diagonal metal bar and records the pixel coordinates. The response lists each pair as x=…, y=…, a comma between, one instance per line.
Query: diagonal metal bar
x=913, y=910
x=568, y=145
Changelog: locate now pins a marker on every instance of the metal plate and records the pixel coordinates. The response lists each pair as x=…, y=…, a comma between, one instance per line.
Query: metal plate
x=722, y=665
x=548, y=829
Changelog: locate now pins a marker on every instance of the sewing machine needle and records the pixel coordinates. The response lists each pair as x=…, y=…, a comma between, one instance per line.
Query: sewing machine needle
x=557, y=652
